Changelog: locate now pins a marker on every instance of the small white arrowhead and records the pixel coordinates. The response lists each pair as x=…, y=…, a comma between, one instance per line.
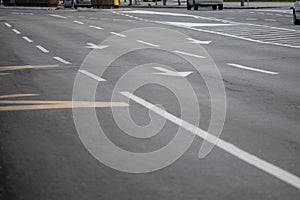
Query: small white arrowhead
x=171, y=73
x=194, y=41
x=94, y=46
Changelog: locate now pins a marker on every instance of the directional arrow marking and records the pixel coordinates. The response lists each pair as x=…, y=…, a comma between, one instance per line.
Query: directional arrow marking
x=94, y=46
x=171, y=73
x=194, y=41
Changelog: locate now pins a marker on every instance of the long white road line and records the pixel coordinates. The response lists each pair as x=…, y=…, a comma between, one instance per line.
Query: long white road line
x=253, y=160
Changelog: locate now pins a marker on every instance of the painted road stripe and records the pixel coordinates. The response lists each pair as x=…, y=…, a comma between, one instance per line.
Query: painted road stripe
x=62, y=60
x=42, y=49
x=44, y=105
x=9, y=68
x=7, y=24
x=27, y=39
x=16, y=31
x=147, y=43
x=252, y=69
x=188, y=54
x=96, y=27
x=270, y=20
x=118, y=34
x=4, y=74
x=78, y=22
x=253, y=160
x=59, y=16
x=17, y=95
x=97, y=78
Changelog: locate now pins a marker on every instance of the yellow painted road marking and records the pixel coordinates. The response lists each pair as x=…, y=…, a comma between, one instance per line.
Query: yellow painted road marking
x=17, y=95
x=3, y=74
x=8, y=68
x=43, y=105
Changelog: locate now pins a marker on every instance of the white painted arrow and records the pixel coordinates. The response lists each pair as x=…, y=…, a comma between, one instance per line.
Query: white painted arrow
x=171, y=73
x=94, y=46
x=194, y=41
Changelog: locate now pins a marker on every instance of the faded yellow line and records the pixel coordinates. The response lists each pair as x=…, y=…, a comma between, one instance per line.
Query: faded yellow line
x=8, y=68
x=17, y=95
x=58, y=105
x=3, y=74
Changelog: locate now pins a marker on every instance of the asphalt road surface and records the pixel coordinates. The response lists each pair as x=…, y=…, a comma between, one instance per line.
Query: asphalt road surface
x=51, y=151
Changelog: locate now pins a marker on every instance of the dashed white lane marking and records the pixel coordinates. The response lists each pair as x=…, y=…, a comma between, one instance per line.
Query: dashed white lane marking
x=94, y=46
x=280, y=15
x=251, y=19
x=59, y=16
x=42, y=49
x=78, y=22
x=118, y=34
x=147, y=43
x=166, y=72
x=97, y=78
x=27, y=39
x=252, y=69
x=188, y=54
x=81, y=17
x=194, y=41
x=16, y=31
x=62, y=60
x=95, y=27
x=270, y=20
x=253, y=160
x=92, y=18
x=7, y=24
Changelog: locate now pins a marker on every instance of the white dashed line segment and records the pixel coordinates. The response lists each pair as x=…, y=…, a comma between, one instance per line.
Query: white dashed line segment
x=42, y=49
x=95, y=27
x=78, y=22
x=62, y=60
x=147, y=43
x=59, y=16
x=93, y=76
x=16, y=31
x=252, y=69
x=118, y=34
x=27, y=39
x=253, y=160
x=188, y=54
x=7, y=24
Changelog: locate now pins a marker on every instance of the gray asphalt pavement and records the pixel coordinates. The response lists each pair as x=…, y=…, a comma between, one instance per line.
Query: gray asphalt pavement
x=43, y=153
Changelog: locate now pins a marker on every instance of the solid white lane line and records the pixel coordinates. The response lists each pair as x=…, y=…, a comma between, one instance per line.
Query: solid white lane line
x=188, y=54
x=59, y=16
x=42, y=49
x=7, y=24
x=147, y=43
x=118, y=34
x=97, y=78
x=78, y=22
x=252, y=69
x=27, y=39
x=95, y=27
x=62, y=60
x=16, y=31
x=253, y=160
